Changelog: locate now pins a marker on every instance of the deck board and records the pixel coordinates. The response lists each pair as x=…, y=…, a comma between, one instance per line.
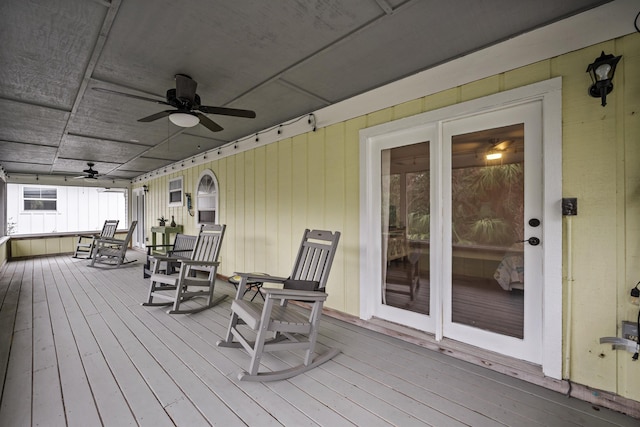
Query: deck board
x=84, y=352
x=79, y=406
x=47, y=404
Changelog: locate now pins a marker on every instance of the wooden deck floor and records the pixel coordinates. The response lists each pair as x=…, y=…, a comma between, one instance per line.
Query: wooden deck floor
x=77, y=349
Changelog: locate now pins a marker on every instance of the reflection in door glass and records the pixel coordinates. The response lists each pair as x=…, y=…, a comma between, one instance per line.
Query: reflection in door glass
x=487, y=208
x=405, y=230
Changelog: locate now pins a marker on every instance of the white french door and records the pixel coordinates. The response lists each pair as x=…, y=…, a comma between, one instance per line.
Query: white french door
x=460, y=236
x=492, y=229
x=406, y=160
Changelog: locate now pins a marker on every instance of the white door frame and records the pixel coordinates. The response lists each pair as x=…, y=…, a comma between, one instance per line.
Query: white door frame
x=139, y=237
x=549, y=93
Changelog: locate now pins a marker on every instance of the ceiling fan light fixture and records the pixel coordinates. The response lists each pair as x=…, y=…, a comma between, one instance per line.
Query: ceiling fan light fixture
x=493, y=155
x=184, y=120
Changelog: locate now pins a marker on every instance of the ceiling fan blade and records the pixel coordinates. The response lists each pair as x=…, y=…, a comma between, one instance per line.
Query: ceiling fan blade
x=185, y=87
x=236, y=112
x=208, y=123
x=156, y=116
x=129, y=95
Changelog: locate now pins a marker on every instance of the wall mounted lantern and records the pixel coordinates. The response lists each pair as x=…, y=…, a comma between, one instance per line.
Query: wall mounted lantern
x=601, y=72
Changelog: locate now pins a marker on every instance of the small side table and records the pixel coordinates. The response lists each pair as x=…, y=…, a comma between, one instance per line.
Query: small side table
x=251, y=285
x=165, y=232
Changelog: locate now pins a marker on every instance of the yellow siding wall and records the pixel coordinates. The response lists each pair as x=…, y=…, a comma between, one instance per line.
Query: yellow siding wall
x=42, y=246
x=268, y=195
x=4, y=252
x=25, y=247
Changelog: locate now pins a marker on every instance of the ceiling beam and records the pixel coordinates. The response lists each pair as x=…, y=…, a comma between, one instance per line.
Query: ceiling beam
x=305, y=92
x=114, y=5
x=385, y=6
x=314, y=54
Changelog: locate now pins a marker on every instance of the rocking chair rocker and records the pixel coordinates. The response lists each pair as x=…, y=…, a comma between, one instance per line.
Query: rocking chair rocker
x=291, y=327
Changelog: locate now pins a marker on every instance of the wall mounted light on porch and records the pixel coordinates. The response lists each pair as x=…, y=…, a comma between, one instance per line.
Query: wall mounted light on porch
x=601, y=72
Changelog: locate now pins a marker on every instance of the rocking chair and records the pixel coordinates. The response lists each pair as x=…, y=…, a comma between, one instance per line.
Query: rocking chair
x=290, y=326
x=204, y=259
x=87, y=243
x=112, y=251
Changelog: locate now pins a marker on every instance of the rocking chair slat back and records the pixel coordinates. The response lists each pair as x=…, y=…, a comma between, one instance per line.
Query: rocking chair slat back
x=109, y=229
x=315, y=257
x=208, y=244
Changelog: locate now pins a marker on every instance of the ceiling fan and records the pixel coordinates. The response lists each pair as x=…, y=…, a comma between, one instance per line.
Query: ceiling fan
x=88, y=173
x=185, y=100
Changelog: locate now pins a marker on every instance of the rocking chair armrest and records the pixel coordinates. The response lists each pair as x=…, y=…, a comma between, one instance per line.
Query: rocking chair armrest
x=88, y=236
x=152, y=247
x=184, y=253
x=196, y=262
x=295, y=294
x=110, y=241
x=161, y=257
x=263, y=278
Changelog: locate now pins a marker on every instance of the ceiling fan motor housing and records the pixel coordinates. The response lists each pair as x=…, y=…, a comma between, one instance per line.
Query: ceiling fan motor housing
x=182, y=103
x=185, y=88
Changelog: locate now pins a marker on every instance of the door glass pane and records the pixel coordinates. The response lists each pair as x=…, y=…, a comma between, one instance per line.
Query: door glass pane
x=406, y=227
x=487, y=208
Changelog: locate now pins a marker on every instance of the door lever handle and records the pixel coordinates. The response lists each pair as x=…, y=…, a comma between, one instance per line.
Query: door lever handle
x=533, y=241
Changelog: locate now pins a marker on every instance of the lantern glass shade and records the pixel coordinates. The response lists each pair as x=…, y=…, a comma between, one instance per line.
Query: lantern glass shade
x=601, y=72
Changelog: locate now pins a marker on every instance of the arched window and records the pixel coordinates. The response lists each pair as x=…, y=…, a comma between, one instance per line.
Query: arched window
x=207, y=198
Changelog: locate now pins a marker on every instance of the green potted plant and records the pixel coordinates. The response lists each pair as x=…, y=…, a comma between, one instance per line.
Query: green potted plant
x=162, y=220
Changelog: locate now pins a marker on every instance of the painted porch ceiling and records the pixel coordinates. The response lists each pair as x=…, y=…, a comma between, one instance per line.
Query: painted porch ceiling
x=280, y=58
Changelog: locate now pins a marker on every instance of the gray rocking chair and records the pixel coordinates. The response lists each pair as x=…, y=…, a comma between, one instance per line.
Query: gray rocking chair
x=112, y=251
x=87, y=243
x=204, y=259
x=288, y=327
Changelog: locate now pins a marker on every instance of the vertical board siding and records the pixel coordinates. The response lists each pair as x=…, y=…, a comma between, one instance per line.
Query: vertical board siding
x=272, y=208
x=77, y=209
x=248, y=169
x=259, y=220
x=316, y=179
x=533, y=73
x=237, y=195
x=335, y=204
x=300, y=192
x=629, y=132
x=4, y=252
x=349, y=246
x=589, y=174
